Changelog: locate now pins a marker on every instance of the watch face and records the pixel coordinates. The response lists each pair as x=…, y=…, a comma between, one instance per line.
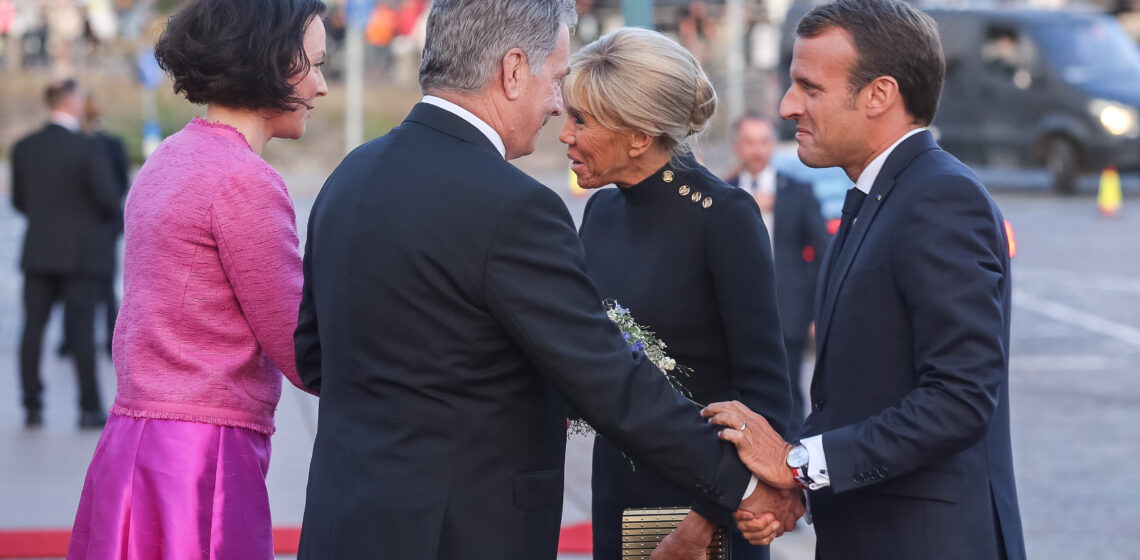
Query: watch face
x=798, y=457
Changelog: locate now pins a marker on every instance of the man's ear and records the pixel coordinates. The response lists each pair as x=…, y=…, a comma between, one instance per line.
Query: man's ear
x=515, y=72
x=639, y=143
x=881, y=95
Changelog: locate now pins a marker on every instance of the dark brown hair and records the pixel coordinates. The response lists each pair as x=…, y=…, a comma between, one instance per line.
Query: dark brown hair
x=892, y=38
x=57, y=91
x=238, y=53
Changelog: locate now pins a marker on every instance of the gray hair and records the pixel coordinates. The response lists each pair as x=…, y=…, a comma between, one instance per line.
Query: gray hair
x=467, y=39
x=638, y=79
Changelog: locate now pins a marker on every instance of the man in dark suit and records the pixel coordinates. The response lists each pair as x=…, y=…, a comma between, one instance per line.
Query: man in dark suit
x=116, y=153
x=446, y=314
x=62, y=183
x=799, y=237
x=908, y=451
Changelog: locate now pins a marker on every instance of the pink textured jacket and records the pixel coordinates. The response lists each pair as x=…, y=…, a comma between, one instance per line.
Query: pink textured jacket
x=212, y=283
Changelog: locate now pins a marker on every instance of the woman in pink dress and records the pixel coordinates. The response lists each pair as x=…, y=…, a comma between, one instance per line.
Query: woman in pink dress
x=212, y=283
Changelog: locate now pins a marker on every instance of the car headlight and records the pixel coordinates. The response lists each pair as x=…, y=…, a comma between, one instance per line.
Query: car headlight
x=1116, y=118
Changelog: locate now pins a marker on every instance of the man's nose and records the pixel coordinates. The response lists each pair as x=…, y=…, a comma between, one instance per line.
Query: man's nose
x=790, y=105
x=558, y=106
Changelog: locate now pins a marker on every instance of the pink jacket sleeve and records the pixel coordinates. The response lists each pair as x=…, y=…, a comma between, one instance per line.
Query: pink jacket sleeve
x=256, y=229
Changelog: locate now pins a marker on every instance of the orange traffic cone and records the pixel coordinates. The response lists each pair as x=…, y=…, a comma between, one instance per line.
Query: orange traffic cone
x=1108, y=197
x=574, y=188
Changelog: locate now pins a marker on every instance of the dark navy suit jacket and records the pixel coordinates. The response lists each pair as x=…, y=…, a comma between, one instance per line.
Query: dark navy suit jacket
x=911, y=387
x=446, y=313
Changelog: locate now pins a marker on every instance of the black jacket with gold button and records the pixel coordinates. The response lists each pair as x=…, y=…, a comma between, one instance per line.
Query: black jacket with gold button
x=690, y=257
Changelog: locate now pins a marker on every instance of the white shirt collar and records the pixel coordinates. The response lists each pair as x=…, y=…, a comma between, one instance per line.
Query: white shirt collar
x=762, y=182
x=871, y=172
x=470, y=118
x=65, y=120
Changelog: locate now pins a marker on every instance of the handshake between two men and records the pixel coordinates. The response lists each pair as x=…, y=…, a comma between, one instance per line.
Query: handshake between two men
x=774, y=505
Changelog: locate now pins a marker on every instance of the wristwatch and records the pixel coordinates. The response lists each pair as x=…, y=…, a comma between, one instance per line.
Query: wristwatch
x=797, y=460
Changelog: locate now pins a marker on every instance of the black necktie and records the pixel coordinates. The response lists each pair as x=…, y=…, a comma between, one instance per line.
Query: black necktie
x=851, y=205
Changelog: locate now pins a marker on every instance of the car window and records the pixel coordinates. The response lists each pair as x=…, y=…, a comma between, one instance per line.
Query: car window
x=1090, y=50
x=1009, y=56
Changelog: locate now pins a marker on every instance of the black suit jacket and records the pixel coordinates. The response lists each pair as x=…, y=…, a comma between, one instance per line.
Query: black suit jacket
x=799, y=239
x=911, y=387
x=696, y=269
x=116, y=153
x=62, y=182
x=445, y=313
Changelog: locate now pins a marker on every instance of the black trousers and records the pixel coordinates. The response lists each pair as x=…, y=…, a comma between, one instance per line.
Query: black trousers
x=110, y=300
x=78, y=293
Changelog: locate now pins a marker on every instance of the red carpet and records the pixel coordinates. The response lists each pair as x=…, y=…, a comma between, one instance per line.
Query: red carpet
x=52, y=543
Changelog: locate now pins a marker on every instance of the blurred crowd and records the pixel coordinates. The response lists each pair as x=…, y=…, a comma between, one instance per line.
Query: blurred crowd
x=70, y=36
x=67, y=35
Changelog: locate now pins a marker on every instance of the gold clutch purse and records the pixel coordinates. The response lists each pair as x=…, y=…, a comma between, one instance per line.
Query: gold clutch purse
x=643, y=528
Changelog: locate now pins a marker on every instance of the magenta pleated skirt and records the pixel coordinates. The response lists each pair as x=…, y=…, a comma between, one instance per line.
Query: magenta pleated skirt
x=167, y=489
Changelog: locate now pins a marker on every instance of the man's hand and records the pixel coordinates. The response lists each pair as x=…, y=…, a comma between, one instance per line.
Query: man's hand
x=761, y=449
x=689, y=542
x=768, y=513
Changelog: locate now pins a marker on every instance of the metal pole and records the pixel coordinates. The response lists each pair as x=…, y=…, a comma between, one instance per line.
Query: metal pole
x=638, y=13
x=734, y=62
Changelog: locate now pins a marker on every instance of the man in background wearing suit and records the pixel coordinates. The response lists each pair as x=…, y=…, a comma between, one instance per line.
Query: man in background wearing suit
x=62, y=183
x=907, y=451
x=799, y=237
x=446, y=314
x=116, y=153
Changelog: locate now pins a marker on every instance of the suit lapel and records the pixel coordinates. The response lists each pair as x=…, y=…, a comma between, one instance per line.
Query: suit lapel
x=450, y=124
x=899, y=160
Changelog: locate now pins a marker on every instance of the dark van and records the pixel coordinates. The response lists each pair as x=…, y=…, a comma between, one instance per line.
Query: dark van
x=1033, y=88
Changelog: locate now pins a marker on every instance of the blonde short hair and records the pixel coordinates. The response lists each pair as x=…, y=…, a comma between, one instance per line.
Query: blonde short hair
x=638, y=79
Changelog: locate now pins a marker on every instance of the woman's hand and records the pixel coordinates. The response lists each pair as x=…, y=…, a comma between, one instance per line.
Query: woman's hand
x=689, y=542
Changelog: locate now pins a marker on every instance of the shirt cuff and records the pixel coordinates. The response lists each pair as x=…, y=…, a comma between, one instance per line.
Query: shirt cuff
x=751, y=487
x=817, y=462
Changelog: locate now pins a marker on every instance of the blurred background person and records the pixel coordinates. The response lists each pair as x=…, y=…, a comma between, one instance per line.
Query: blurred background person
x=116, y=153
x=799, y=238
x=62, y=183
x=686, y=253
x=65, y=26
x=212, y=284
x=697, y=31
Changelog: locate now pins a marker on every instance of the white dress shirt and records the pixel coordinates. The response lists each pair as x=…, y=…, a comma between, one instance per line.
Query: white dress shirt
x=471, y=118
x=763, y=182
x=817, y=461
x=66, y=120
